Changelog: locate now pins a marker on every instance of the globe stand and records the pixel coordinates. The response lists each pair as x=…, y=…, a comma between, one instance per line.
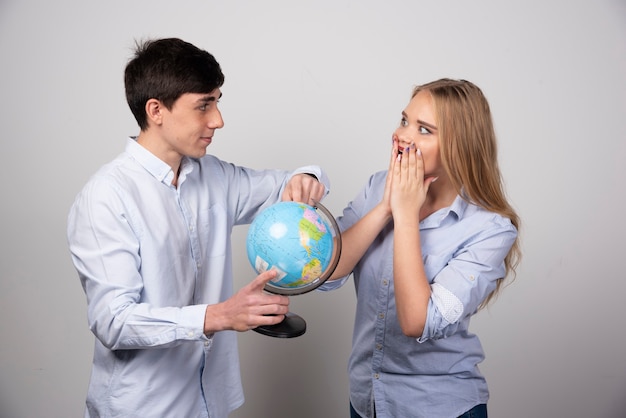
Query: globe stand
x=294, y=325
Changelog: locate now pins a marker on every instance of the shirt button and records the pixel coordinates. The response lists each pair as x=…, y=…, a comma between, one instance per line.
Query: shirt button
x=381, y=315
x=376, y=376
x=190, y=334
x=379, y=346
x=385, y=282
x=471, y=277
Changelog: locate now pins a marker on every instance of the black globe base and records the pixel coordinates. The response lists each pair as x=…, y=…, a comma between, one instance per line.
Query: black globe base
x=292, y=326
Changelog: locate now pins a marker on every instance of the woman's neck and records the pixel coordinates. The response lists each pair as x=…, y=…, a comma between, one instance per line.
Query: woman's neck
x=441, y=194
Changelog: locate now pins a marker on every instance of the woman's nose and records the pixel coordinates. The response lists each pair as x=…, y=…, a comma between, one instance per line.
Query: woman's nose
x=403, y=140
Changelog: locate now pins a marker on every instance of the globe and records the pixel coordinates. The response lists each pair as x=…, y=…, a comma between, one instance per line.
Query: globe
x=303, y=244
x=295, y=240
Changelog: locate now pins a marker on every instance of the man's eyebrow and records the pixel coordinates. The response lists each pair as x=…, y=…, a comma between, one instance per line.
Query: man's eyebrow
x=209, y=98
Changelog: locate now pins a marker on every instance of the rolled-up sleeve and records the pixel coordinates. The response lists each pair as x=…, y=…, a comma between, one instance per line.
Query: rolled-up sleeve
x=463, y=283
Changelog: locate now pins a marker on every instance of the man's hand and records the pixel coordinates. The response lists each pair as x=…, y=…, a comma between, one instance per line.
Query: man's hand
x=248, y=308
x=304, y=188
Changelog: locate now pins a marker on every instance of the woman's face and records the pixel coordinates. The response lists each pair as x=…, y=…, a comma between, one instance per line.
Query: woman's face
x=418, y=126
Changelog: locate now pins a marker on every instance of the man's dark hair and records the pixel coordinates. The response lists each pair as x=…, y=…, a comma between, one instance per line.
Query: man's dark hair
x=165, y=69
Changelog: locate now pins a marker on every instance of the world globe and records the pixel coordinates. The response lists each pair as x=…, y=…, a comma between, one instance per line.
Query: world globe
x=302, y=244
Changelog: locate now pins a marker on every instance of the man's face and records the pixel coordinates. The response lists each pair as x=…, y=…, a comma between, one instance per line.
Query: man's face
x=188, y=127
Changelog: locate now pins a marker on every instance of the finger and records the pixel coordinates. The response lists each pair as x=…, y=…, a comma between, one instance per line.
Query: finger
x=392, y=160
x=269, y=319
x=313, y=193
x=429, y=181
x=419, y=164
x=258, y=284
x=397, y=162
x=273, y=304
x=303, y=188
x=290, y=194
x=304, y=191
x=395, y=152
x=318, y=192
x=262, y=279
x=415, y=162
x=405, y=162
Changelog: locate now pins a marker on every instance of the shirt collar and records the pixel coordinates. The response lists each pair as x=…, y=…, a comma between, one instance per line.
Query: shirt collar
x=454, y=212
x=153, y=164
x=458, y=206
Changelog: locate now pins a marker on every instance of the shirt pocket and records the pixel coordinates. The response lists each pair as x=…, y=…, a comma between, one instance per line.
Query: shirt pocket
x=215, y=229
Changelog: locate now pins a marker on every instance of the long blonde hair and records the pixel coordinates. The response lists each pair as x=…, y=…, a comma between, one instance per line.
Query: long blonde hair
x=468, y=152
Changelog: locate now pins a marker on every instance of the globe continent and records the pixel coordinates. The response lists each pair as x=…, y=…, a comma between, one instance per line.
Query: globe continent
x=294, y=240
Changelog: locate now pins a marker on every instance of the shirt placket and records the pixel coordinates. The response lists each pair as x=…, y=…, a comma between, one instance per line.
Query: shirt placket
x=382, y=301
x=194, y=241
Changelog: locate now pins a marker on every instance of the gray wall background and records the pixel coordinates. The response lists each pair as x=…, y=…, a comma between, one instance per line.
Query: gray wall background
x=325, y=82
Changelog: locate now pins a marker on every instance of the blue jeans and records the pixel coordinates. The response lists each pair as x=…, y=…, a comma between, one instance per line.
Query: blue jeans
x=479, y=411
x=353, y=413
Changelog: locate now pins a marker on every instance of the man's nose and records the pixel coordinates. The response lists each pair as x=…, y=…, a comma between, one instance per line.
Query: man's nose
x=215, y=120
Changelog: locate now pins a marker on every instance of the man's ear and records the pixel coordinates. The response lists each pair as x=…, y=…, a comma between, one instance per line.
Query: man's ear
x=154, y=111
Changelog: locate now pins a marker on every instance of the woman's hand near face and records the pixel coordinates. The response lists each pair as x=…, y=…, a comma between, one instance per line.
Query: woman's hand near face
x=408, y=189
x=385, y=203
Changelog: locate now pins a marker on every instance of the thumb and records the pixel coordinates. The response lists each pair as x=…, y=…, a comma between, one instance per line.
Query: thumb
x=429, y=181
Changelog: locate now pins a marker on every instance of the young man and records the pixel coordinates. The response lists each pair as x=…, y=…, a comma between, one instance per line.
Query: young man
x=150, y=238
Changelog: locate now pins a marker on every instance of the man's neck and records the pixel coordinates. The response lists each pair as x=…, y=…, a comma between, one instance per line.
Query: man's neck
x=162, y=152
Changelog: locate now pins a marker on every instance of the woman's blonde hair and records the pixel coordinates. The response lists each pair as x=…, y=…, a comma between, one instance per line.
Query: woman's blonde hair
x=468, y=152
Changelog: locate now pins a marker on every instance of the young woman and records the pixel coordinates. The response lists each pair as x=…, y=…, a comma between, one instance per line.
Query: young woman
x=429, y=243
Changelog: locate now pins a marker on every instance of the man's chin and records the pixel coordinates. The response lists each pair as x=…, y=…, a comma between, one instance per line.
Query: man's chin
x=199, y=153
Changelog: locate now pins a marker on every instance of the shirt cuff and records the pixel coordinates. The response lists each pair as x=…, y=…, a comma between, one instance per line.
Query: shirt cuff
x=191, y=323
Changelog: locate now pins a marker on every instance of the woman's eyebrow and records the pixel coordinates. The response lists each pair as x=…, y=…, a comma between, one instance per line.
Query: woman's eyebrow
x=426, y=124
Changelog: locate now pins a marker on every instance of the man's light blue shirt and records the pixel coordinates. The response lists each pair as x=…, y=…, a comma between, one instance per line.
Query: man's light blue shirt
x=436, y=375
x=151, y=257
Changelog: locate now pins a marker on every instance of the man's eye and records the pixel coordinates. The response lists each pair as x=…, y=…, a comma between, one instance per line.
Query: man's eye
x=203, y=107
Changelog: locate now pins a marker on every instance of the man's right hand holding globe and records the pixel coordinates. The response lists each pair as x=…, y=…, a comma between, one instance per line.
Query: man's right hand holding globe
x=249, y=308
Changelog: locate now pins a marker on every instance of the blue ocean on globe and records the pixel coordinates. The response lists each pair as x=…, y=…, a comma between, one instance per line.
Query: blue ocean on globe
x=293, y=239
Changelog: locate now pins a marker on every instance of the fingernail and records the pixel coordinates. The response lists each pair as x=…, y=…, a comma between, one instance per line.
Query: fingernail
x=419, y=152
x=434, y=180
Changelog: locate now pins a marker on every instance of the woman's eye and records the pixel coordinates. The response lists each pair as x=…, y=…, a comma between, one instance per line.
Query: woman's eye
x=403, y=122
x=424, y=131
